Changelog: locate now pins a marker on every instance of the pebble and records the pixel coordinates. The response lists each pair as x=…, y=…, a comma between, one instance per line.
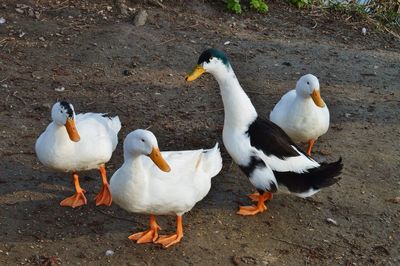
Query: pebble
x=331, y=221
x=109, y=253
x=60, y=89
x=364, y=31
x=2, y=20
x=19, y=11
x=42, y=39
x=227, y=43
x=140, y=18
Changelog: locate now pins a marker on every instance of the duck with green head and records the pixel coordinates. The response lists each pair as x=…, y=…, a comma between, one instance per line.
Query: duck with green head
x=263, y=151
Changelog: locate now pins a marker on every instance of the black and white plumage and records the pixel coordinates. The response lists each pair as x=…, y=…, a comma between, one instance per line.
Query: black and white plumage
x=264, y=152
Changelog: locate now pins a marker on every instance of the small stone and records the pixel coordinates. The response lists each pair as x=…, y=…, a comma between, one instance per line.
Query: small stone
x=60, y=89
x=19, y=11
x=127, y=72
x=347, y=115
x=140, y=18
x=364, y=31
x=394, y=200
x=2, y=20
x=227, y=43
x=109, y=253
x=109, y=8
x=286, y=64
x=42, y=39
x=331, y=221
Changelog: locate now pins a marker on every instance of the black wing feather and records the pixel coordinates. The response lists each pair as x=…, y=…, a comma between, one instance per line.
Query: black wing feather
x=271, y=139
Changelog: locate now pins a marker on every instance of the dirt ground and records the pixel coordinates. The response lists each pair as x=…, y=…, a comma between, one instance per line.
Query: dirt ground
x=107, y=64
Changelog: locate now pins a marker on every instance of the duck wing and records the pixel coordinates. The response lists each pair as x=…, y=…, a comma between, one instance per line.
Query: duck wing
x=277, y=149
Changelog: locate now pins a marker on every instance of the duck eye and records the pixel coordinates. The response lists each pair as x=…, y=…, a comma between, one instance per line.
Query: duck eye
x=308, y=83
x=61, y=111
x=142, y=140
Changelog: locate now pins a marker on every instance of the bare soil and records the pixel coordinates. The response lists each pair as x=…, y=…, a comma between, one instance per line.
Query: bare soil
x=107, y=64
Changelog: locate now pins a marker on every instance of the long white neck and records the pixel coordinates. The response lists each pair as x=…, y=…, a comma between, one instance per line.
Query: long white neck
x=239, y=111
x=134, y=163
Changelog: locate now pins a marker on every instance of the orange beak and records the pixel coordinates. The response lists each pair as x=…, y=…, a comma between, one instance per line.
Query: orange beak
x=197, y=72
x=156, y=157
x=316, y=96
x=71, y=129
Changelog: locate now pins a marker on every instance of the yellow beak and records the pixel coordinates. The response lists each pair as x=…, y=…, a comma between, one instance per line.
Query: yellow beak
x=197, y=72
x=156, y=157
x=71, y=129
x=316, y=96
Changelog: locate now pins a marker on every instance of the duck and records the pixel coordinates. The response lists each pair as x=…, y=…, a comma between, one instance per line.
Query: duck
x=302, y=113
x=263, y=151
x=162, y=183
x=77, y=142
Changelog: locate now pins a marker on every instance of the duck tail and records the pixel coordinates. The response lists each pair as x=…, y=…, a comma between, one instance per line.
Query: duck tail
x=212, y=161
x=115, y=124
x=308, y=183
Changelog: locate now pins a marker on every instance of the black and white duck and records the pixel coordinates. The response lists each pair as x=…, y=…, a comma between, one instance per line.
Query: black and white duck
x=264, y=152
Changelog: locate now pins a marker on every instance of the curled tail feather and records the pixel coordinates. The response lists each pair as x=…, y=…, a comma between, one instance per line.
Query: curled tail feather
x=308, y=183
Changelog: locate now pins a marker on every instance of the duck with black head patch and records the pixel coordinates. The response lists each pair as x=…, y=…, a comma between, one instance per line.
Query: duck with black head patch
x=73, y=143
x=263, y=151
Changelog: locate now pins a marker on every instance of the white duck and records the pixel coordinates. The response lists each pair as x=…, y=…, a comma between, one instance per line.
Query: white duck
x=302, y=113
x=73, y=143
x=263, y=151
x=140, y=186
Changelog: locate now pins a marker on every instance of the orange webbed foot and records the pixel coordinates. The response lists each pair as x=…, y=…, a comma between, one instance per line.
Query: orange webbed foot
x=104, y=196
x=252, y=210
x=254, y=197
x=167, y=241
x=78, y=199
x=148, y=236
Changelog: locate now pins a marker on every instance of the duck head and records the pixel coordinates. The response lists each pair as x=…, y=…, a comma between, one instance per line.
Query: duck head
x=143, y=142
x=213, y=61
x=63, y=114
x=308, y=86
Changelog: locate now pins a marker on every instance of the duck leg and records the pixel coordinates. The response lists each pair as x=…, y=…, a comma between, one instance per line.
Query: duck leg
x=104, y=196
x=167, y=241
x=256, y=196
x=79, y=198
x=310, y=146
x=148, y=236
x=253, y=210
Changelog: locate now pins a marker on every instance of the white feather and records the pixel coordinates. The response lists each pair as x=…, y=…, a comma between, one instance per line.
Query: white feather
x=98, y=141
x=140, y=186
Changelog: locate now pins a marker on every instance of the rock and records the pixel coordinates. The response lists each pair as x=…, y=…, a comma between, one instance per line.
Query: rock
x=140, y=18
x=127, y=72
x=394, y=200
x=109, y=253
x=331, y=221
x=19, y=11
x=123, y=8
x=60, y=89
x=364, y=31
x=2, y=20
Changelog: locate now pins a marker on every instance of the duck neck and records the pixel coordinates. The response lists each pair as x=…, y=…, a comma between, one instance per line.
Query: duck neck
x=60, y=133
x=133, y=160
x=239, y=111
